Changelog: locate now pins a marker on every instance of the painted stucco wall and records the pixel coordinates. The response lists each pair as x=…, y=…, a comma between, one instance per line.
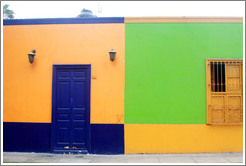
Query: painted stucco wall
x=165, y=83
x=27, y=88
x=165, y=69
x=182, y=138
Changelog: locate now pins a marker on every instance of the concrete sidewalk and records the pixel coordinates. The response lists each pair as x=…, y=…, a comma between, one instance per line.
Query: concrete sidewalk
x=12, y=157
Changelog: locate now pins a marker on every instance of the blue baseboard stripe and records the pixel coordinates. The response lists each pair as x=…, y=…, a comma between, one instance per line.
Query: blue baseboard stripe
x=107, y=138
x=26, y=137
x=36, y=137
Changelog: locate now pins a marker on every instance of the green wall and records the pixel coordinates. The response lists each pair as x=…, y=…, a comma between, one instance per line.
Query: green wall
x=165, y=68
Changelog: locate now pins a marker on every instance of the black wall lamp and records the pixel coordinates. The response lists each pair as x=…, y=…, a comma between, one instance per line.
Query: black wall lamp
x=112, y=55
x=31, y=56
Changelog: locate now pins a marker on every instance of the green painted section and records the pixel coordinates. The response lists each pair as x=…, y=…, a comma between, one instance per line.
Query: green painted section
x=165, y=69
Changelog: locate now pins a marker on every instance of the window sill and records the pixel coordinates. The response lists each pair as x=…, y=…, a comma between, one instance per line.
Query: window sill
x=225, y=124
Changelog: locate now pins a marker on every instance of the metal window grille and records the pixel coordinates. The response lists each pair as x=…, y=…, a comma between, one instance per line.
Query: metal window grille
x=217, y=76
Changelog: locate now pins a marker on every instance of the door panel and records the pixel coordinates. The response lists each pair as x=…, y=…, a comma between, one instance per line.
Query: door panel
x=63, y=94
x=234, y=108
x=78, y=97
x=218, y=109
x=233, y=78
x=70, y=115
x=233, y=84
x=62, y=136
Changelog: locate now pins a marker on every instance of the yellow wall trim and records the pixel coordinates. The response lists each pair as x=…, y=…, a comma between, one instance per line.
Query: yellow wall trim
x=183, y=19
x=182, y=138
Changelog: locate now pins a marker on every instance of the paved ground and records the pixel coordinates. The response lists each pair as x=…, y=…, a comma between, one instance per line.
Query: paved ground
x=135, y=158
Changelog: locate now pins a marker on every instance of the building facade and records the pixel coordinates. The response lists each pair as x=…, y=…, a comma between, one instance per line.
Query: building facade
x=175, y=85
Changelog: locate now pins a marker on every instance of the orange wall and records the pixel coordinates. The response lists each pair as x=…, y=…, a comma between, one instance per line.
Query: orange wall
x=27, y=88
x=182, y=138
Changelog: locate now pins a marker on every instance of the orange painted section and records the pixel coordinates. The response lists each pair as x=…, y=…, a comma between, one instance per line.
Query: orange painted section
x=27, y=88
x=182, y=138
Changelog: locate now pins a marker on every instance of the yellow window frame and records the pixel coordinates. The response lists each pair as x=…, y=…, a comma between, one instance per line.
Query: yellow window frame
x=225, y=107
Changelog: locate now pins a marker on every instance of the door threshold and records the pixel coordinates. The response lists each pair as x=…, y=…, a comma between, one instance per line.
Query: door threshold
x=71, y=151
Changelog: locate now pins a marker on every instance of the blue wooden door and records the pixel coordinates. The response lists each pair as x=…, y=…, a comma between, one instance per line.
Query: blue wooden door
x=71, y=108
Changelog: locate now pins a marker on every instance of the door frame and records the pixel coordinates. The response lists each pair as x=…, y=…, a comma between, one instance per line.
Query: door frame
x=57, y=67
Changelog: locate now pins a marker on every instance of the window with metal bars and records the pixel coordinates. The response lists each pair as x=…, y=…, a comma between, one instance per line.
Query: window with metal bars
x=218, y=83
x=224, y=80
